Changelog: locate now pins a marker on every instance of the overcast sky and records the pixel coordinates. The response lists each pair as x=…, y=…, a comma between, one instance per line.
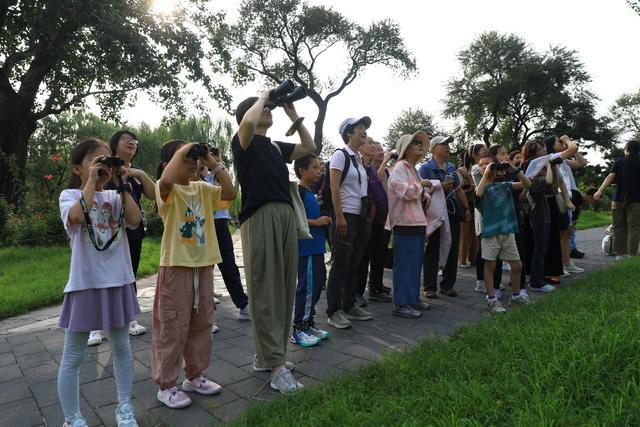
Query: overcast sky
x=605, y=33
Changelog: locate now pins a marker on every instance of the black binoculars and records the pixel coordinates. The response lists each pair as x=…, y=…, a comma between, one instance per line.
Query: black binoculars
x=110, y=162
x=495, y=166
x=200, y=150
x=287, y=93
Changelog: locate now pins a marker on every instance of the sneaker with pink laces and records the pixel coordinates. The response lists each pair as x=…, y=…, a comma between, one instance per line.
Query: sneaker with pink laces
x=173, y=398
x=201, y=385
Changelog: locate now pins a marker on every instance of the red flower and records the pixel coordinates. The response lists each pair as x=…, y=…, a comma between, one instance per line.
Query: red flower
x=48, y=177
x=56, y=157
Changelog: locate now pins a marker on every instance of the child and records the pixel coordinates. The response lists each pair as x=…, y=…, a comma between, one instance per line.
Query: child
x=183, y=304
x=500, y=224
x=100, y=293
x=311, y=269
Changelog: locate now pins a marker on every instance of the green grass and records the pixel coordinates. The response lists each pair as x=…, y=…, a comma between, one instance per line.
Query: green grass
x=568, y=360
x=591, y=219
x=34, y=277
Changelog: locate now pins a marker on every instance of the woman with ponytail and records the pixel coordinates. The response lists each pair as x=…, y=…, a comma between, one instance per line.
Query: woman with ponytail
x=625, y=200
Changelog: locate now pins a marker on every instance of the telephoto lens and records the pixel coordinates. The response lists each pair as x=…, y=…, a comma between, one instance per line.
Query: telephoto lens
x=278, y=95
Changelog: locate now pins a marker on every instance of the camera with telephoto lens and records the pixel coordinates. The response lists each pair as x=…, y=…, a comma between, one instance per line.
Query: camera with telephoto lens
x=495, y=166
x=287, y=93
x=199, y=151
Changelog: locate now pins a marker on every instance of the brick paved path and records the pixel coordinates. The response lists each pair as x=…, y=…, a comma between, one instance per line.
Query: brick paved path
x=31, y=348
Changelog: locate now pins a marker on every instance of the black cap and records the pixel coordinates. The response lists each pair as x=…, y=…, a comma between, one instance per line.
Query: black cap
x=244, y=106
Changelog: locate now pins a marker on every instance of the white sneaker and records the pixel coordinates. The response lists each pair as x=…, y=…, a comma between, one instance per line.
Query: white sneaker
x=621, y=257
x=95, y=338
x=565, y=272
x=480, y=287
x=174, y=398
x=136, y=329
x=215, y=328
x=243, y=313
x=520, y=299
x=495, y=306
x=572, y=268
x=217, y=294
x=284, y=382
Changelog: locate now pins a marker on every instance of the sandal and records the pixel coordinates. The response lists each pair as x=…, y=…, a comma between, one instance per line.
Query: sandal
x=429, y=294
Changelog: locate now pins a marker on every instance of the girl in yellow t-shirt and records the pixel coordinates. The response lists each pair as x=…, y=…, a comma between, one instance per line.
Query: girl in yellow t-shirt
x=183, y=304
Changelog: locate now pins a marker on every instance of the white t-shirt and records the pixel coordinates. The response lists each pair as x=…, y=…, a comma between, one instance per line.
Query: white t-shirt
x=91, y=269
x=351, y=190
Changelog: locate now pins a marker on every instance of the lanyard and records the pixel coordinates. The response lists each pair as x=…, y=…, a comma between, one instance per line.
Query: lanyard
x=87, y=219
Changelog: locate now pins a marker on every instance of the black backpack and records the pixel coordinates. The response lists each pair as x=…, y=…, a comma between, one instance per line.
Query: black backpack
x=324, y=184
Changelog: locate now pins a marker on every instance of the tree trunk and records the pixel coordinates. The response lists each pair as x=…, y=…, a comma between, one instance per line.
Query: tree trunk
x=15, y=131
x=319, y=123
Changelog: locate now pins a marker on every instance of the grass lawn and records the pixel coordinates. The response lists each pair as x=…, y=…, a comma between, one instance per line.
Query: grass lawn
x=569, y=360
x=34, y=277
x=590, y=219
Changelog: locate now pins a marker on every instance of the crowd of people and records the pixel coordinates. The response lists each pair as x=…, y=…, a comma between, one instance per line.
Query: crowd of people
x=496, y=211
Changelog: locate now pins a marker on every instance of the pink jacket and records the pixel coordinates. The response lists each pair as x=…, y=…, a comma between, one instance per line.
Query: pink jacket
x=405, y=197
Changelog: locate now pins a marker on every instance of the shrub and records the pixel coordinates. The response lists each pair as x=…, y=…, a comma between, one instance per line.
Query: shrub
x=30, y=227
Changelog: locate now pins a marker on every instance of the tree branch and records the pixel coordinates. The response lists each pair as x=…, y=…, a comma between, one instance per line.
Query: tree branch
x=48, y=108
x=14, y=58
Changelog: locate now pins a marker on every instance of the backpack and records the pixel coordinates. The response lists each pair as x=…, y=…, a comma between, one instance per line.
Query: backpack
x=324, y=184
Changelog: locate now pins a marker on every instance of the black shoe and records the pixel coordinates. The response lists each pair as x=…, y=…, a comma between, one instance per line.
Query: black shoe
x=576, y=254
x=379, y=296
x=386, y=289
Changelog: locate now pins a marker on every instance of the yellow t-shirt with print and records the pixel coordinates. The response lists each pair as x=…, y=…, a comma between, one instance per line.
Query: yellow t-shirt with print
x=189, y=238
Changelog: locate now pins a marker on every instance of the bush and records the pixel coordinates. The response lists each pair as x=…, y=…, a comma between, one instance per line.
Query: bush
x=30, y=227
x=5, y=210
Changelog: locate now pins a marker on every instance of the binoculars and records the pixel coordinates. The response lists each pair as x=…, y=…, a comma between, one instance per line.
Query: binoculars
x=110, y=162
x=286, y=93
x=201, y=150
x=495, y=166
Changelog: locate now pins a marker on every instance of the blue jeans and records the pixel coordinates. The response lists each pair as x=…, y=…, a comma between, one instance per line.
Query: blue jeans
x=311, y=277
x=572, y=231
x=407, y=263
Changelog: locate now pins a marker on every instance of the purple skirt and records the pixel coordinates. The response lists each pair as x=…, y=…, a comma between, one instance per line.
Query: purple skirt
x=99, y=309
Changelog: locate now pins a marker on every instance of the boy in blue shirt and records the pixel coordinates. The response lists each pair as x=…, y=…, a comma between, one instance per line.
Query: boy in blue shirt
x=311, y=268
x=499, y=225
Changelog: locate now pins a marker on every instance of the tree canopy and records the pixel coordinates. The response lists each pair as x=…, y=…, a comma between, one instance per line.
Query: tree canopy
x=55, y=55
x=278, y=39
x=625, y=114
x=410, y=121
x=509, y=92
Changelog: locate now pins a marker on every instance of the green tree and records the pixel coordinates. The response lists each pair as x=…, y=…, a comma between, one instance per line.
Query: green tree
x=635, y=5
x=625, y=113
x=278, y=39
x=509, y=92
x=54, y=55
x=410, y=121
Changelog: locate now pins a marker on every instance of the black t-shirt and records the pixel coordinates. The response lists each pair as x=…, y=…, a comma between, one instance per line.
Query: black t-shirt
x=262, y=173
x=540, y=213
x=618, y=192
x=136, y=192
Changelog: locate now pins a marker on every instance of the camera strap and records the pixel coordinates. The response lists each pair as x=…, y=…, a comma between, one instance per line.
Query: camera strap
x=92, y=237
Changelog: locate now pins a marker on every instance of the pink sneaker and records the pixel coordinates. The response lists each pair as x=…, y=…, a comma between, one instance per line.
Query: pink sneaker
x=201, y=385
x=174, y=398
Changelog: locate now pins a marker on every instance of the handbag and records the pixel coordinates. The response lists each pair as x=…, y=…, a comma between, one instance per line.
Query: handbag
x=562, y=206
x=300, y=215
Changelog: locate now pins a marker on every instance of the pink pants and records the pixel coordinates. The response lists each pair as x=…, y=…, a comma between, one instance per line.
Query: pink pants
x=181, y=324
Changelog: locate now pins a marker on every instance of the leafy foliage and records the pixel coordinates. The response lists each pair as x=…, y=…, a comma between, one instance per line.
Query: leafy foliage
x=625, y=114
x=55, y=55
x=509, y=92
x=277, y=39
x=410, y=121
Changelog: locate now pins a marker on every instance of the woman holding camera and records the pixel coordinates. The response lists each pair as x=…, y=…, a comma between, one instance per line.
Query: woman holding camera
x=268, y=229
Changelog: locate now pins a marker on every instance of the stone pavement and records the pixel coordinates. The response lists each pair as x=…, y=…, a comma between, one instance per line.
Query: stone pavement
x=31, y=348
